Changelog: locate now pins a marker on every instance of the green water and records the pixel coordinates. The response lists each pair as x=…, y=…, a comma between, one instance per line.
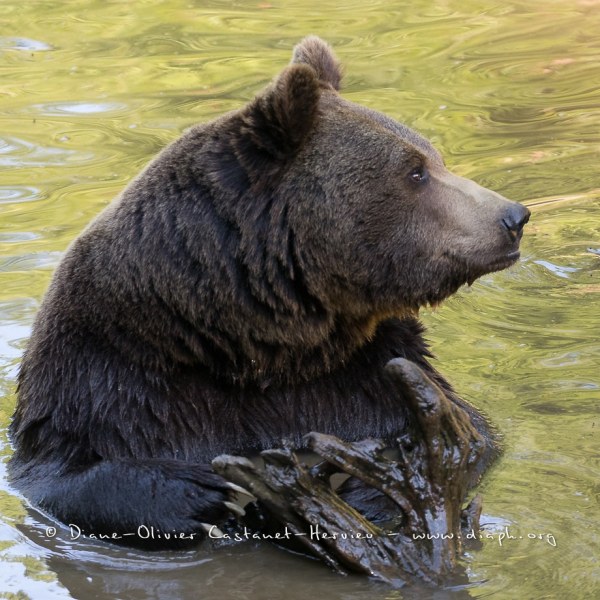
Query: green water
x=508, y=91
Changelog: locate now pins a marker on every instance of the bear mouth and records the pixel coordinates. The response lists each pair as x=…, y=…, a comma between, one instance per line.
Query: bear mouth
x=498, y=264
x=471, y=271
x=464, y=272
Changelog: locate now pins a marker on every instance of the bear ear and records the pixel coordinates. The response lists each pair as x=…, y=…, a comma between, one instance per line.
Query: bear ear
x=316, y=53
x=275, y=124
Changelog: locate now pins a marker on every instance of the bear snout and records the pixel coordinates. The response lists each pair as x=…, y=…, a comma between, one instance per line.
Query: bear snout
x=515, y=219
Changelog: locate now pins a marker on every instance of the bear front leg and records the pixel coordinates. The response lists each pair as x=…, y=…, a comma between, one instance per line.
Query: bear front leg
x=149, y=504
x=448, y=441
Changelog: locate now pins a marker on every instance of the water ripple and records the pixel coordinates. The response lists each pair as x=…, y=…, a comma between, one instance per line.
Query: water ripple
x=12, y=194
x=77, y=108
x=17, y=153
x=23, y=44
x=556, y=269
x=29, y=262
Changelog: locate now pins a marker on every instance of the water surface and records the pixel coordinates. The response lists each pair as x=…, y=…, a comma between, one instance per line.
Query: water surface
x=508, y=91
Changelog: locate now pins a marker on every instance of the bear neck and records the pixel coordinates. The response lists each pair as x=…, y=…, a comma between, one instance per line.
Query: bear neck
x=302, y=353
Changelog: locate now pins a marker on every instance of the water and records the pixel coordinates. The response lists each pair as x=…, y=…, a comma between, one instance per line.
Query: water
x=508, y=91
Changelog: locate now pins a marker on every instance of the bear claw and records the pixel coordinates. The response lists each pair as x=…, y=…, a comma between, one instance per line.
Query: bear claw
x=237, y=510
x=212, y=530
x=240, y=490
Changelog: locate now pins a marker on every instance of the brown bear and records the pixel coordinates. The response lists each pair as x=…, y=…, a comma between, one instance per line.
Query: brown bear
x=248, y=287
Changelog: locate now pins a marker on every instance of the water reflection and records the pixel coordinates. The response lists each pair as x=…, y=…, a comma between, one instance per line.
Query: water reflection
x=23, y=44
x=16, y=152
x=77, y=108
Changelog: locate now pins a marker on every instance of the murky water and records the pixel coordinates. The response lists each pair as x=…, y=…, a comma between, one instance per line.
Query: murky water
x=509, y=91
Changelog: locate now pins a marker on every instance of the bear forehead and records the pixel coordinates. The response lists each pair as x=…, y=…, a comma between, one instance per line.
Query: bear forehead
x=331, y=101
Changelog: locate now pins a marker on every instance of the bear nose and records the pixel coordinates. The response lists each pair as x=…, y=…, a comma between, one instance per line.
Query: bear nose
x=515, y=218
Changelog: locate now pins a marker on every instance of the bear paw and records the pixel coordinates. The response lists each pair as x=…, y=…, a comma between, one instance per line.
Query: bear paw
x=427, y=481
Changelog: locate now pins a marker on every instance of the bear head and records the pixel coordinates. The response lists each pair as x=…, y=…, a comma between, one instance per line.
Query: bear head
x=358, y=210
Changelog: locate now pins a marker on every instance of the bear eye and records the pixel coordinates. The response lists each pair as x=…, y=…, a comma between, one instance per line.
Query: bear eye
x=419, y=174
